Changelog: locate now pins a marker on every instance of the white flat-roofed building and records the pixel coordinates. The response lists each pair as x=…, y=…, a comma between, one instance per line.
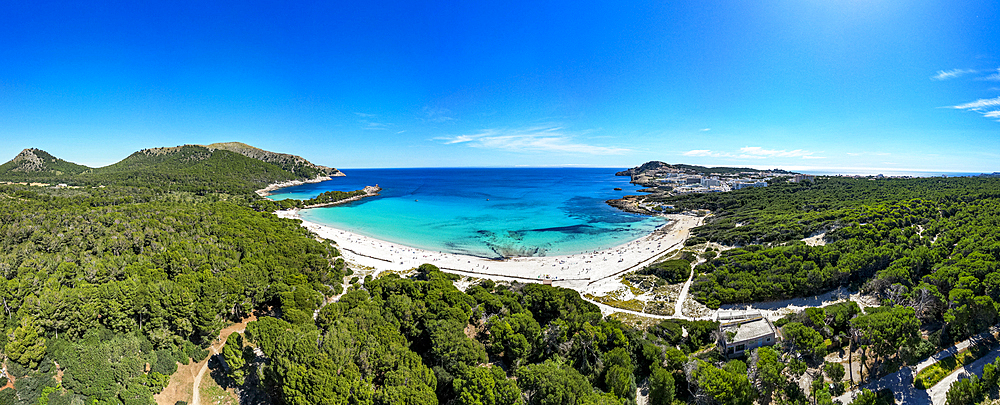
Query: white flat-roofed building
x=742, y=185
x=743, y=331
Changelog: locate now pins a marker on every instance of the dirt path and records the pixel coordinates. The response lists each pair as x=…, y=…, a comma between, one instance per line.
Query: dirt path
x=185, y=383
x=195, y=387
x=679, y=306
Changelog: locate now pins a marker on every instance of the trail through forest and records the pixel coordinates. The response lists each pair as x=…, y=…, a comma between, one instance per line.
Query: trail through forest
x=185, y=377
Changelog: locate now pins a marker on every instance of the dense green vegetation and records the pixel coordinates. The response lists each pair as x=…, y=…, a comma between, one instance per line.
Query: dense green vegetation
x=974, y=389
x=90, y=279
x=672, y=271
x=328, y=197
x=929, y=244
x=107, y=289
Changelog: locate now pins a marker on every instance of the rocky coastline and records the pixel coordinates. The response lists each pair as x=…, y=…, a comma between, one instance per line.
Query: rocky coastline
x=630, y=203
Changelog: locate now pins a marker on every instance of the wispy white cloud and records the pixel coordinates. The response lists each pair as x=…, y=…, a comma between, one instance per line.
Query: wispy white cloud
x=988, y=107
x=993, y=77
x=368, y=124
x=754, y=152
x=701, y=152
x=535, y=139
x=706, y=129
x=759, y=151
x=951, y=74
x=437, y=114
x=979, y=104
x=375, y=125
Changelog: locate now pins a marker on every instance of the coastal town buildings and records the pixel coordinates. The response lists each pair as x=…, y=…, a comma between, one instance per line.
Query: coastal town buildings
x=801, y=178
x=739, y=185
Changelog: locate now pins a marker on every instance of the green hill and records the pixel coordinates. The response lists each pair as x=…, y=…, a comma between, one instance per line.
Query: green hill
x=233, y=168
x=32, y=164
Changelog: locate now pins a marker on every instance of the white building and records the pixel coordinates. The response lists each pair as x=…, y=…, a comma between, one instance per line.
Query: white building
x=740, y=185
x=743, y=331
x=799, y=178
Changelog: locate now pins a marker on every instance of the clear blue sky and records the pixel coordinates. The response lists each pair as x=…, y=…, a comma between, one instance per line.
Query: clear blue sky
x=800, y=84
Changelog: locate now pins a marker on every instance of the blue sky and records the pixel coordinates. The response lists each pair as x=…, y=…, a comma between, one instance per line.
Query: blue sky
x=853, y=86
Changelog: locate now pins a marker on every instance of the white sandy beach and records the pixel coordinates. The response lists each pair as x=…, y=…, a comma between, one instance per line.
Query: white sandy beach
x=581, y=271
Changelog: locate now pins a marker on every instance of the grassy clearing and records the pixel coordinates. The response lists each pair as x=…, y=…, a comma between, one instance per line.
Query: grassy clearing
x=212, y=393
x=934, y=373
x=637, y=321
x=616, y=299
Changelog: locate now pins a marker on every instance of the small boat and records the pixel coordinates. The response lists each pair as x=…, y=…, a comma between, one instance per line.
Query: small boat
x=415, y=200
x=618, y=189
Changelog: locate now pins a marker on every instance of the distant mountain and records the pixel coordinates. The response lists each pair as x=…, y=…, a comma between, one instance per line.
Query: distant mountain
x=233, y=167
x=36, y=163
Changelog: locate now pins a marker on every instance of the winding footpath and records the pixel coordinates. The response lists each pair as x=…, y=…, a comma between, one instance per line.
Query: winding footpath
x=196, y=391
x=679, y=306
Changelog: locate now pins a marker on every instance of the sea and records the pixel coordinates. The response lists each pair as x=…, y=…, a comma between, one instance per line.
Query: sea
x=485, y=212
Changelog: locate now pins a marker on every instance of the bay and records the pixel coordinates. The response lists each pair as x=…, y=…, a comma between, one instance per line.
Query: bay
x=486, y=212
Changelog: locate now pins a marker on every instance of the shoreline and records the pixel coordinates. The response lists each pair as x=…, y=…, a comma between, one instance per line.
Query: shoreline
x=370, y=191
x=267, y=191
x=579, y=271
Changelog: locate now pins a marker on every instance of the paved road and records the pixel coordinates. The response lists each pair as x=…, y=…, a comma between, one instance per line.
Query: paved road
x=901, y=382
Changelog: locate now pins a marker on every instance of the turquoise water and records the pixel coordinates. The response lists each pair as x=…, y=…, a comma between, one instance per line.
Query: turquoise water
x=484, y=212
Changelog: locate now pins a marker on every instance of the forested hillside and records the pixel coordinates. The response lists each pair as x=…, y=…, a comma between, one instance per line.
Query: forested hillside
x=101, y=286
x=106, y=290
x=231, y=168
x=930, y=244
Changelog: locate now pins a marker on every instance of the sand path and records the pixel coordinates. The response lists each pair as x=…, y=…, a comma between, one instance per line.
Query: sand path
x=176, y=390
x=195, y=387
x=679, y=305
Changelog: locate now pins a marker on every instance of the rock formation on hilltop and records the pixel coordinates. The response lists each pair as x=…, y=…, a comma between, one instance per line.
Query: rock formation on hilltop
x=292, y=163
x=33, y=160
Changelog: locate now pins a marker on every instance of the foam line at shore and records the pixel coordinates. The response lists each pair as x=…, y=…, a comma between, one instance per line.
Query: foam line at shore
x=576, y=271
